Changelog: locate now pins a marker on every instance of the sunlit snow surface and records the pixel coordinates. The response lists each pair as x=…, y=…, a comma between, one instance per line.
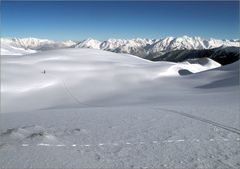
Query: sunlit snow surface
x=97, y=109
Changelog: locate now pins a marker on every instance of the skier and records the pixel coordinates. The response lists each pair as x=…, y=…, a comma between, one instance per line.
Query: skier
x=44, y=71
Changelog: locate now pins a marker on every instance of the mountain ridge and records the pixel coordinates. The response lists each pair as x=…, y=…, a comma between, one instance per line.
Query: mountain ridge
x=161, y=44
x=141, y=47
x=222, y=55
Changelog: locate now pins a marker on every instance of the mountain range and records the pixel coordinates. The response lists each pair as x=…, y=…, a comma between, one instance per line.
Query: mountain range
x=154, y=47
x=151, y=49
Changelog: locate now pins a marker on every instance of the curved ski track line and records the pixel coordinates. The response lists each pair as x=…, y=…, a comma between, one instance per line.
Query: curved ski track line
x=68, y=91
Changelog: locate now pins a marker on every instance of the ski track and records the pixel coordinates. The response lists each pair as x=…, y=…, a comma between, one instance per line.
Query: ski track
x=228, y=128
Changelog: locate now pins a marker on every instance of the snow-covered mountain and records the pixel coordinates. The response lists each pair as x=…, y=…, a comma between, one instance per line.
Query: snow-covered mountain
x=89, y=43
x=37, y=44
x=222, y=55
x=21, y=46
x=144, y=48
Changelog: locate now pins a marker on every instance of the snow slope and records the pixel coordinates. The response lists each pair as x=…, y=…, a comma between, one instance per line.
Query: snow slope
x=77, y=68
x=98, y=109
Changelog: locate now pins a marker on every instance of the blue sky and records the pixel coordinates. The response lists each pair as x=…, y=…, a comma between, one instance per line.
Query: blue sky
x=78, y=20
